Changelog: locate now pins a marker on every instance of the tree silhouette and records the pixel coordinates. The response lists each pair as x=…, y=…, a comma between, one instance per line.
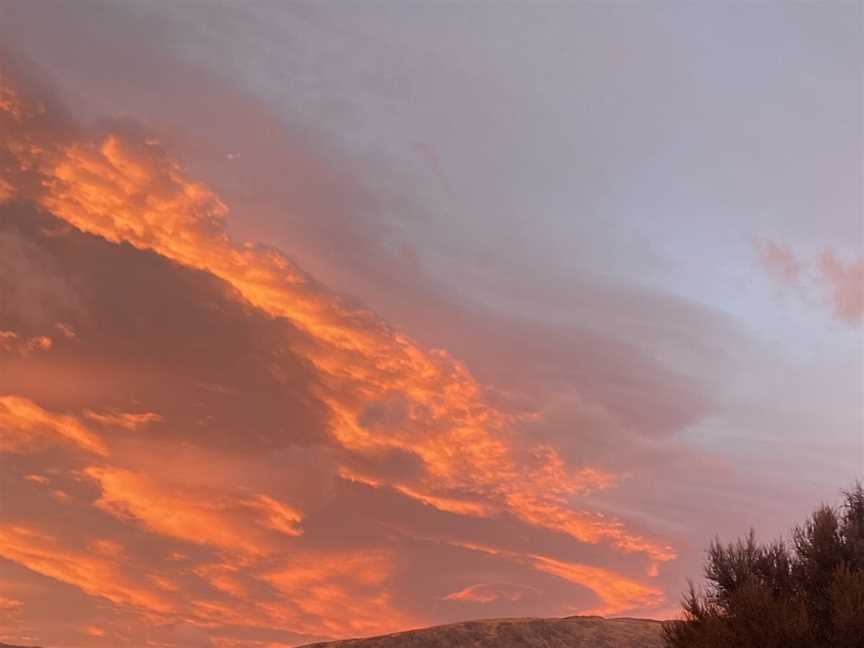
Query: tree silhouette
x=807, y=594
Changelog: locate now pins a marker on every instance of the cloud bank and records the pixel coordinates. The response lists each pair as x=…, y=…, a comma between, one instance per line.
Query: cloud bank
x=197, y=434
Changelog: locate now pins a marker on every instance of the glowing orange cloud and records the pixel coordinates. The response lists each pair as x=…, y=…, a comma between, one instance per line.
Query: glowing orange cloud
x=133, y=193
x=211, y=518
x=318, y=583
x=11, y=342
x=616, y=591
x=126, y=420
x=24, y=426
x=11, y=103
x=94, y=574
x=382, y=393
x=488, y=592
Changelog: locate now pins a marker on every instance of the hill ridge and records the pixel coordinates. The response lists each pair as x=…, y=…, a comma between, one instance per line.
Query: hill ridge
x=519, y=632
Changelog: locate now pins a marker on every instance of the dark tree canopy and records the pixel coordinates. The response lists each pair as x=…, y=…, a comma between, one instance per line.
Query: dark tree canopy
x=808, y=593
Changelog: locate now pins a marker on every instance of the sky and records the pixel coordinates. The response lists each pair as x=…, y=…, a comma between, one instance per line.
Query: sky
x=322, y=320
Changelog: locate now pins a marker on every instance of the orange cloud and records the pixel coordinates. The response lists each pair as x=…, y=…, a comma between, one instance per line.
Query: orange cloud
x=487, y=593
x=239, y=543
x=6, y=190
x=355, y=583
x=10, y=101
x=200, y=516
x=223, y=577
x=126, y=420
x=25, y=426
x=9, y=605
x=97, y=575
x=618, y=593
x=10, y=614
x=10, y=342
x=131, y=191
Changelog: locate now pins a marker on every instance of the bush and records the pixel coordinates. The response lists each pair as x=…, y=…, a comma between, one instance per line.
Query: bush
x=808, y=594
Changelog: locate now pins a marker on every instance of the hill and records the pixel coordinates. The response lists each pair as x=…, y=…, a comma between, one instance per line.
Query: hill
x=569, y=632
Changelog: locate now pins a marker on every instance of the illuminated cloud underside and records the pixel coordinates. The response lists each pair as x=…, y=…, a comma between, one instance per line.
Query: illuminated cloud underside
x=180, y=532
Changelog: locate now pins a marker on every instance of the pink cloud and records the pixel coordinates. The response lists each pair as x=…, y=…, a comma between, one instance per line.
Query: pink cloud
x=779, y=261
x=846, y=282
x=843, y=281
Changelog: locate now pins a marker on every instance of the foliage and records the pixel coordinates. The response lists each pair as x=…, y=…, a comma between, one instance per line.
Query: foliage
x=806, y=594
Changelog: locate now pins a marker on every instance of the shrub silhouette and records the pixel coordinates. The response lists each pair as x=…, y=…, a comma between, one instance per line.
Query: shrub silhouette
x=806, y=594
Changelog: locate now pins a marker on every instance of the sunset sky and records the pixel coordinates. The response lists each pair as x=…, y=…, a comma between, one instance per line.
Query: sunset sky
x=332, y=319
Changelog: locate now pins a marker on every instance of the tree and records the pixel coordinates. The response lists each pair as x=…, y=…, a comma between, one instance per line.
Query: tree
x=808, y=594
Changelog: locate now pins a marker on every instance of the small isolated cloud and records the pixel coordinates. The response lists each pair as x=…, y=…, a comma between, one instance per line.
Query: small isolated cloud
x=489, y=592
x=127, y=420
x=27, y=427
x=779, y=261
x=11, y=342
x=846, y=281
